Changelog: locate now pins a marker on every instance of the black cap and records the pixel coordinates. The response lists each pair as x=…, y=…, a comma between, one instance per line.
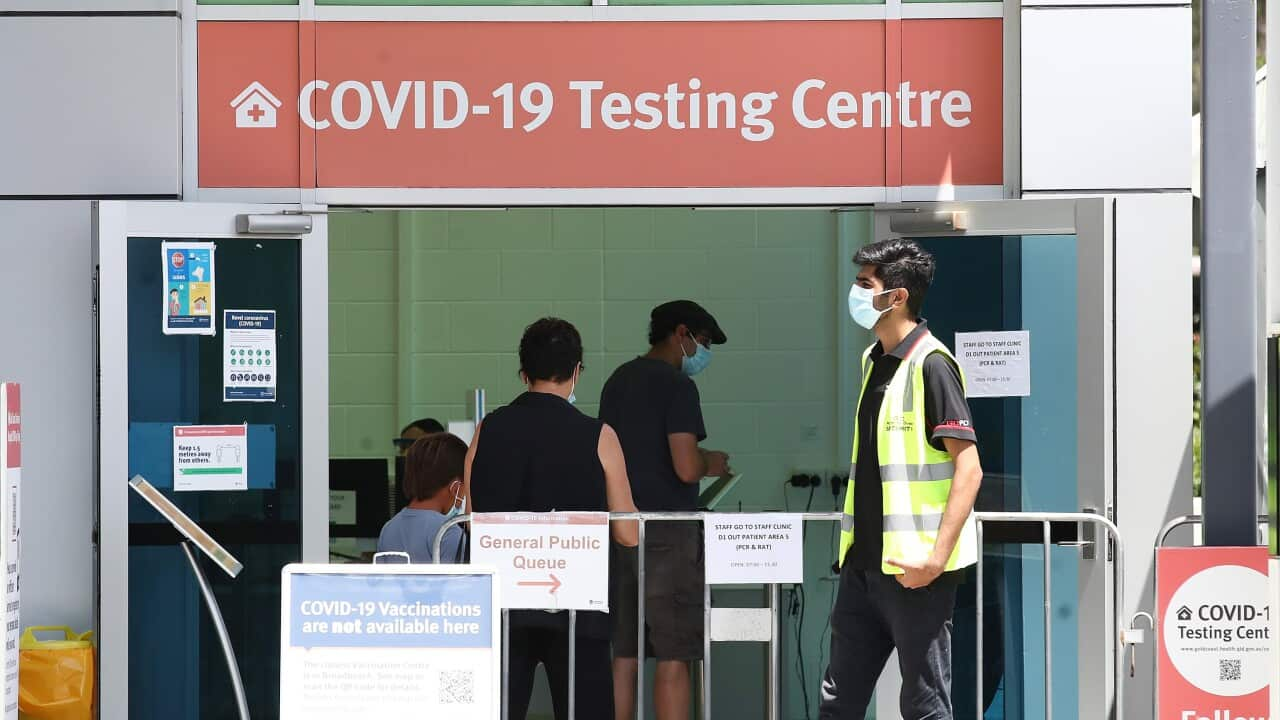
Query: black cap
x=668, y=316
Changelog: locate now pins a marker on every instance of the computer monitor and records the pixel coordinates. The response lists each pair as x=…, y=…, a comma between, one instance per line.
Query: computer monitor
x=398, y=500
x=359, y=502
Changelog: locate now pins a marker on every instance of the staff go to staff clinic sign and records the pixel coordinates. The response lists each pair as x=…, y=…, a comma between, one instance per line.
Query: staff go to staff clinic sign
x=601, y=104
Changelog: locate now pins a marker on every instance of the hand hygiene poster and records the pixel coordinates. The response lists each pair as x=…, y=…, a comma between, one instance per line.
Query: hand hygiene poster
x=388, y=643
x=188, y=288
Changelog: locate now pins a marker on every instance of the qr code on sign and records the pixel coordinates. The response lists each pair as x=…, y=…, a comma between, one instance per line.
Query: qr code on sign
x=1228, y=670
x=457, y=687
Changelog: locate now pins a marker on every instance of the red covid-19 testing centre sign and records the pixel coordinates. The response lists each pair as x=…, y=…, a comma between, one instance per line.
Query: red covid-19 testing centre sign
x=1215, y=633
x=601, y=104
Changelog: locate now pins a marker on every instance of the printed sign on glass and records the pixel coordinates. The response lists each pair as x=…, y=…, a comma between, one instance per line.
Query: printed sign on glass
x=188, y=288
x=249, y=368
x=210, y=457
x=995, y=364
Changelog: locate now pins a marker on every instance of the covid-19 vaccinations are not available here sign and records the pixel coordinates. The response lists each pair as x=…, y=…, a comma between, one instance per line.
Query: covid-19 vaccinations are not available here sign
x=388, y=642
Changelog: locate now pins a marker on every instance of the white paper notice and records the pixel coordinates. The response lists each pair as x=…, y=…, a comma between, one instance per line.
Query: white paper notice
x=249, y=356
x=210, y=457
x=342, y=507
x=754, y=548
x=995, y=364
x=546, y=561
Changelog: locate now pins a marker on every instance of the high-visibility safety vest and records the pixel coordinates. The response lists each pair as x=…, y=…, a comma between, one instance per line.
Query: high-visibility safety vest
x=915, y=477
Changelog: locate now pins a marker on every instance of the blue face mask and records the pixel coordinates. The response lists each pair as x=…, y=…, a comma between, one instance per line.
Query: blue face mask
x=693, y=364
x=862, y=308
x=455, y=509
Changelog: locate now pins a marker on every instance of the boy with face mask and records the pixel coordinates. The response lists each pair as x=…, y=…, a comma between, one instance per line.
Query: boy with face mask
x=433, y=487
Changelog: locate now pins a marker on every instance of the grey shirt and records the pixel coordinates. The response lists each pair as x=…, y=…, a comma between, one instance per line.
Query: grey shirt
x=414, y=532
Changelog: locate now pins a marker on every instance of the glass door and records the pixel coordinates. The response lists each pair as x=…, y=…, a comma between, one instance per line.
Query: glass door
x=174, y=279
x=1039, y=267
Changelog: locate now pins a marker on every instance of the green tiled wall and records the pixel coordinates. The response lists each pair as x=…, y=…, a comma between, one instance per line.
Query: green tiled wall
x=452, y=2
x=409, y=3
x=756, y=2
x=479, y=277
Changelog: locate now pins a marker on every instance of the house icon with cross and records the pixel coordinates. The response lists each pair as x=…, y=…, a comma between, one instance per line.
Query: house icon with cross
x=255, y=107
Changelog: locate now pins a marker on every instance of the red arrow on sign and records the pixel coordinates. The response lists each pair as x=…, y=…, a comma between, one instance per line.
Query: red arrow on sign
x=553, y=584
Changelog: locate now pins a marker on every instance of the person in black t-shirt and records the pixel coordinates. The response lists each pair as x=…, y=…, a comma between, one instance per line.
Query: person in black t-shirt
x=541, y=454
x=907, y=524
x=653, y=405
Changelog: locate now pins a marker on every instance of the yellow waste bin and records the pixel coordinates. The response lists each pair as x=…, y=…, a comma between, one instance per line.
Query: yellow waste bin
x=55, y=677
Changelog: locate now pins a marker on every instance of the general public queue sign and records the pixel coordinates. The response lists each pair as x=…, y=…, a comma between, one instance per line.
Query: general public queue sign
x=546, y=561
x=601, y=104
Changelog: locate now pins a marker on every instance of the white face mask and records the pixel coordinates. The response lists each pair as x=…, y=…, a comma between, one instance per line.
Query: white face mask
x=862, y=306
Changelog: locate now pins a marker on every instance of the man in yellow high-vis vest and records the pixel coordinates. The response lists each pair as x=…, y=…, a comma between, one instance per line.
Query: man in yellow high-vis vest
x=907, y=525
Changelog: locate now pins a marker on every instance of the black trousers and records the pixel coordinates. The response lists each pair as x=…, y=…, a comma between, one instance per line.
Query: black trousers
x=874, y=615
x=593, y=672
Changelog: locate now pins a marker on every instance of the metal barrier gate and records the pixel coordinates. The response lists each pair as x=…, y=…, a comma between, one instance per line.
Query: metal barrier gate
x=1112, y=532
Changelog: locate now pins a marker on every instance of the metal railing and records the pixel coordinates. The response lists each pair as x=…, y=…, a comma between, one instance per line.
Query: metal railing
x=1046, y=520
x=1112, y=532
x=1174, y=524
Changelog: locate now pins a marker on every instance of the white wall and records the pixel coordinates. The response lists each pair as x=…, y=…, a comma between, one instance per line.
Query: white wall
x=46, y=325
x=88, y=5
x=1104, y=113
x=100, y=116
x=1106, y=98
x=1153, y=395
x=92, y=108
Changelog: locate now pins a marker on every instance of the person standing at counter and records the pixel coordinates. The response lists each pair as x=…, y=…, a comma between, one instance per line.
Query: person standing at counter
x=541, y=454
x=414, y=431
x=907, y=527
x=653, y=404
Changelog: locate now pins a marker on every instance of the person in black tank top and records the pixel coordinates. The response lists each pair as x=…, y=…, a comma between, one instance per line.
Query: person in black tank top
x=541, y=454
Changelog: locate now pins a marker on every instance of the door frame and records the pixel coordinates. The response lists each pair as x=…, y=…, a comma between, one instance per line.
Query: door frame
x=114, y=223
x=1092, y=222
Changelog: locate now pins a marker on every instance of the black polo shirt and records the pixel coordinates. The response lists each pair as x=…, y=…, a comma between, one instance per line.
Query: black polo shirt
x=946, y=416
